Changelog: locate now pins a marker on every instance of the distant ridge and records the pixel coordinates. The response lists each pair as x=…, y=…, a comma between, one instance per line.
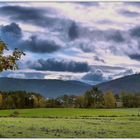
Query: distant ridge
x=128, y=84
x=55, y=88
x=48, y=88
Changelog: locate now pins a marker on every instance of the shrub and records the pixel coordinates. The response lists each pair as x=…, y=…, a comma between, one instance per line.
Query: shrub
x=14, y=114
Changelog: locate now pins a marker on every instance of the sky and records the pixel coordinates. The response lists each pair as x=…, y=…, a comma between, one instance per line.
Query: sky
x=92, y=42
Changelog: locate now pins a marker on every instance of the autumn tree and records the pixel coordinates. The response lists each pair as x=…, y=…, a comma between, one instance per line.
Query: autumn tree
x=109, y=100
x=41, y=101
x=9, y=61
x=80, y=101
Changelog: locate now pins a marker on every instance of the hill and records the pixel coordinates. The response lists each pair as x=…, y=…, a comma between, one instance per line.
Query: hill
x=129, y=84
x=55, y=88
x=48, y=88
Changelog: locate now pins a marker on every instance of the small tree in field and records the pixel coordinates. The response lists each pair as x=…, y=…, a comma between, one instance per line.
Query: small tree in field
x=9, y=61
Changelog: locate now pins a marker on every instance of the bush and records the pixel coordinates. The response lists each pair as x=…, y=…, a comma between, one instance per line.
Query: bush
x=14, y=114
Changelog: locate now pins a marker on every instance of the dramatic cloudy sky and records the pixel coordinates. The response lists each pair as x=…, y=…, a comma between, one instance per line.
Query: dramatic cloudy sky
x=91, y=42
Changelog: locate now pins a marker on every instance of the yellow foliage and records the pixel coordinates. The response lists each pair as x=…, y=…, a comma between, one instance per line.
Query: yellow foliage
x=109, y=100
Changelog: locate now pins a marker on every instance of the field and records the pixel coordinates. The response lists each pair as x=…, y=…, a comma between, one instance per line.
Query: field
x=69, y=123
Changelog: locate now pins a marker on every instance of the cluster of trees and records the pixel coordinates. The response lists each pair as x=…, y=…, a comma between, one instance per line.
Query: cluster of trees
x=21, y=99
x=94, y=98
x=130, y=100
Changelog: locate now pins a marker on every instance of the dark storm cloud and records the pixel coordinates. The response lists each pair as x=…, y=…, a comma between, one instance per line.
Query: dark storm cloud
x=11, y=33
x=37, y=45
x=34, y=16
x=87, y=40
x=135, y=56
x=135, y=32
x=103, y=35
x=73, y=31
x=18, y=10
x=24, y=13
x=59, y=65
x=115, y=35
x=128, y=13
x=12, y=28
x=42, y=21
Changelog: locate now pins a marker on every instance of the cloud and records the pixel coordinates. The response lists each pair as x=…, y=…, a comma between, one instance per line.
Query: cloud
x=108, y=68
x=16, y=75
x=115, y=35
x=19, y=10
x=135, y=32
x=19, y=13
x=105, y=21
x=87, y=4
x=128, y=72
x=36, y=16
x=13, y=36
x=11, y=33
x=124, y=73
x=36, y=45
x=73, y=31
x=59, y=65
x=135, y=56
x=128, y=13
x=64, y=32
x=98, y=59
x=85, y=45
x=96, y=76
x=136, y=4
x=23, y=75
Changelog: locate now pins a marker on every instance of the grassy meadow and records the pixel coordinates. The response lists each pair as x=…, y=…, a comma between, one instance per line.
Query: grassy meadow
x=70, y=123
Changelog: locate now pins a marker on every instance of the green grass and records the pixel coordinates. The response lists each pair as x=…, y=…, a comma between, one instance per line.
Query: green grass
x=70, y=112
x=70, y=123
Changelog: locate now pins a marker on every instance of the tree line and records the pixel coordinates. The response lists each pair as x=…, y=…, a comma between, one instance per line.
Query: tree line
x=93, y=98
x=21, y=99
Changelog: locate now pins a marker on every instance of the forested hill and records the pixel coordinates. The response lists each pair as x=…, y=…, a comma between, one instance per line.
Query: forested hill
x=128, y=84
x=48, y=88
